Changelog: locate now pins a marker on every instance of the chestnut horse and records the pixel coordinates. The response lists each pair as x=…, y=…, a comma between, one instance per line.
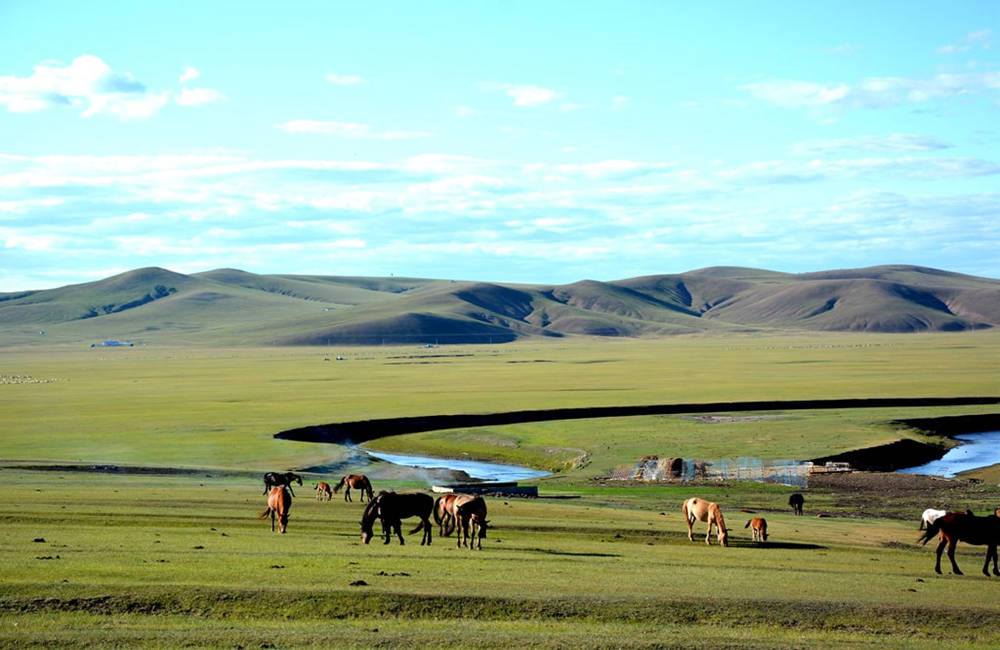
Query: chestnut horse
x=323, y=492
x=390, y=508
x=758, y=528
x=444, y=513
x=965, y=527
x=796, y=501
x=358, y=481
x=279, y=502
x=695, y=508
x=272, y=479
x=471, y=512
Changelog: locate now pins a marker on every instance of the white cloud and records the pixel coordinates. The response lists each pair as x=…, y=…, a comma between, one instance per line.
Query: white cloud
x=344, y=79
x=89, y=85
x=532, y=95
x=873, y=92
x=351, y=130
x=188, y=74
x=898, y=142
x=982, y=39
x=198, y=96
x=86, y=84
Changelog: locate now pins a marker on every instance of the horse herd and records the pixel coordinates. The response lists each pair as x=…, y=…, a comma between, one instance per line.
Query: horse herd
x=465, y=513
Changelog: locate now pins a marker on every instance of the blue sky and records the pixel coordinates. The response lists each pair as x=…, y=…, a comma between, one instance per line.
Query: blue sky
x=509, y=141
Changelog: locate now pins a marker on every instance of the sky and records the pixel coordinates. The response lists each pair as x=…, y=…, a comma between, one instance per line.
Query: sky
x=503, y=141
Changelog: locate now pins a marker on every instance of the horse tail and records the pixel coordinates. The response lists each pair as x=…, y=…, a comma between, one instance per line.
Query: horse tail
x=419, y=526
x=339, y=485
x=930, y=533
x=266, y=512
x=436, y=510
x=748, y=523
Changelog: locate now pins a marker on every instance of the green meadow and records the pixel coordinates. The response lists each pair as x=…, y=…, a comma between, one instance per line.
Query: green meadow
x=160, y=559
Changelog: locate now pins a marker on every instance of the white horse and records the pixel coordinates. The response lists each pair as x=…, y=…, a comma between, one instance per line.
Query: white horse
x=929, y=516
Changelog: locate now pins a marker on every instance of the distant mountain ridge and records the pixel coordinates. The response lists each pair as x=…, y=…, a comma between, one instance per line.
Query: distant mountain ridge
x=229, y=306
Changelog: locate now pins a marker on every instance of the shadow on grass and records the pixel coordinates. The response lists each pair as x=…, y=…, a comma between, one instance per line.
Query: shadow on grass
x=549, y=551
x=790, y=546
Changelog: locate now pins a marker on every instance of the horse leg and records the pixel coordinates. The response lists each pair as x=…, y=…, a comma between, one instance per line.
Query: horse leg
x=993, y=551
x=951, y=556
x=347, y=492
x=708, y=535
x=398, y=525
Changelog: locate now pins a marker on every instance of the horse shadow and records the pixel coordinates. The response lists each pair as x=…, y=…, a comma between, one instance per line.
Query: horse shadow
x=789, y=546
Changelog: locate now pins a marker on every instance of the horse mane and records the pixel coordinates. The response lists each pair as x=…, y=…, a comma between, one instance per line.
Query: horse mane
x=368, y=517
x=716, y=513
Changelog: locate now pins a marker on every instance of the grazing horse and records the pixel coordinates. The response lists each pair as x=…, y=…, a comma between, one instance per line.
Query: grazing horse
x=471, y=512
x=285, y=479
x=796, y=501
x=965, y=527
x=323, y=492
x=758, y=528
x=929, y=516
x=390, y=508
x=444, y=513
x=358, y=481
x=279, y=502
x=695, y=508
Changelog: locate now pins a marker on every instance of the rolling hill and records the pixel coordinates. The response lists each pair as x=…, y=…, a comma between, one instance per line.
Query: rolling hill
x=233, y=307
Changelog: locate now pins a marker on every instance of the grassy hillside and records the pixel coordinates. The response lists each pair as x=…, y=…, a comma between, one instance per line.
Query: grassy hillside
x=232, y=307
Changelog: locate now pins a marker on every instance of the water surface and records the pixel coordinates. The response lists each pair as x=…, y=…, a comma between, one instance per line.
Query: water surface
x=475, y=469
x=978, y=450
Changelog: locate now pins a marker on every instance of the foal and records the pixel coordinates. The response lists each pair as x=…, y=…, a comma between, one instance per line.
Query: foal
x=758, y=528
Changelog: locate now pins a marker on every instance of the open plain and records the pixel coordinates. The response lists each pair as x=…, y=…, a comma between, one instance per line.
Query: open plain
x=131, y=489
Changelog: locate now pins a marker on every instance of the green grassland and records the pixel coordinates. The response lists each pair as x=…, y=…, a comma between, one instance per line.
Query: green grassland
x=170, y=560
x=206, y=407
x=166, y=561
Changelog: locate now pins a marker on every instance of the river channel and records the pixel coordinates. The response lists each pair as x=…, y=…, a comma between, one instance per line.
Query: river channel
x=978, y=450
x=475, y=469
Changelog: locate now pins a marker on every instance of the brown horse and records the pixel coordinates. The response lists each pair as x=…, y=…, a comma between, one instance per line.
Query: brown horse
x=358, y=481
x=471, y=512
x=965, y=527
x=323, y=492
x=695, y=508
x=390, y=508
x=758, y=528
x=444, y=511
x=796, y=501
x=279, y=502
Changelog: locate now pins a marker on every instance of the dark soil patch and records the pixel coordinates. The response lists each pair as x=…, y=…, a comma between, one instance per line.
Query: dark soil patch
x=364, y=430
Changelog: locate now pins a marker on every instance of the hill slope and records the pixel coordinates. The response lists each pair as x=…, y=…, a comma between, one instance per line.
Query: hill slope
x=229, y=306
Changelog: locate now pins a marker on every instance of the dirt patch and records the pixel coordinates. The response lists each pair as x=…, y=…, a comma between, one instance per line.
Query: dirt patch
x=891, y=495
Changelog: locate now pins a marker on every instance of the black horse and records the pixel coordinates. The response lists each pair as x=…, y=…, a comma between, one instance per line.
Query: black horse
x=965, y=527
x=271, y=479
x=796, y=501
x=390, y=507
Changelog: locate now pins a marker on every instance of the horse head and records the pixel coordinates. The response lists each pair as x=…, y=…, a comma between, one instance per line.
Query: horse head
x=368, y=521
x=724, y=538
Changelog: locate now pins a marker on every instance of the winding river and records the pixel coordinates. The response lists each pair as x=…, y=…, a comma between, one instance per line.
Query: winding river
x=978, y=450
x=475, y=469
